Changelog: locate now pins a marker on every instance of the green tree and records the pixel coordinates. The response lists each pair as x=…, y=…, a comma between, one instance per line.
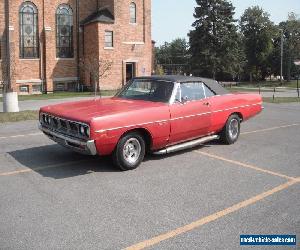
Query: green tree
x=291, y=33
x=258, y=32
x=214, y=42
x=174, y=53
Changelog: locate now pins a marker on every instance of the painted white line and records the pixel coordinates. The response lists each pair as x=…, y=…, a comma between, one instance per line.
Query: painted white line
x=37, y=169
x=270, y=129
x=244, y=165
x=18, y=136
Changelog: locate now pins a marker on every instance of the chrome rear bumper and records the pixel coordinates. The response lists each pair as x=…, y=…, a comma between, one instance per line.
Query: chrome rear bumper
x=80, y=146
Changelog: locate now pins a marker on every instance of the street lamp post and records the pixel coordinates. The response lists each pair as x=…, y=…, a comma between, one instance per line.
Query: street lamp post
x=297, y=63
x=281, y=58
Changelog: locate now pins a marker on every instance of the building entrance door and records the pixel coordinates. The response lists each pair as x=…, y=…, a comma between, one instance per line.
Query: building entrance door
x=130, y=71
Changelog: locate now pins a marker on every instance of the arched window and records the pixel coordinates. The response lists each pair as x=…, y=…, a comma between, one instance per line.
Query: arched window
x=29, y=39
x=64, y=32
x=132, y=13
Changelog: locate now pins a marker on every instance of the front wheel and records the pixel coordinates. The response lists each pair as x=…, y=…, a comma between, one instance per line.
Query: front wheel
x=130, y=151
x=231, y=130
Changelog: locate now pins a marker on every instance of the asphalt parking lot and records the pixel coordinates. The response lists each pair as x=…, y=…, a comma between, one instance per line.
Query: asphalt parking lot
x=51, y=198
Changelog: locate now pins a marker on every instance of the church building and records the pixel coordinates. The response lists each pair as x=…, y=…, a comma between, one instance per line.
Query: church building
x=53, y=43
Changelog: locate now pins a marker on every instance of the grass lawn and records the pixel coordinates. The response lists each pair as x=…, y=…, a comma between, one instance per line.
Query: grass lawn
x=62, y=95
x=281, y=99
x=20, y=116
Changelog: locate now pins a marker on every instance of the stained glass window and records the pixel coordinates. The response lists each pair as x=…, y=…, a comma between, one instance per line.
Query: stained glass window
x=132, y=13
x=64, y=32
x=29, y=39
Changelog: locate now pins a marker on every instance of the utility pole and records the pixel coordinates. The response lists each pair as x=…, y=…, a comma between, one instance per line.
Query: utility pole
x=297, y=63
x=281, y=59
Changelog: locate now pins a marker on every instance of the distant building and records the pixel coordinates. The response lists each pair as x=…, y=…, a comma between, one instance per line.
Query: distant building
x=48, y=39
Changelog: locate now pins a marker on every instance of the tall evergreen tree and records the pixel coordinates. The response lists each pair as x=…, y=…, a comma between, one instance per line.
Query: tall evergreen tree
x=214, y=45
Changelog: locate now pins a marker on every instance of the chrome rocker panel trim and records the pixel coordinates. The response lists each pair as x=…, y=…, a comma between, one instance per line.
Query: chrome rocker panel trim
x=79, y=146
x=186, y=145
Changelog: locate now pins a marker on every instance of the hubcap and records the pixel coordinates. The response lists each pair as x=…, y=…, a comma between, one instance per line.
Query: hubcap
x=234, y=129
x=132, y=150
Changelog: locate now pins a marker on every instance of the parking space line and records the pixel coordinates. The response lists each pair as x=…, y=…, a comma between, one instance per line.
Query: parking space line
x=211, y=218
x=18, y=136
x=241, y=164
x=270, y=129
x=26, y=170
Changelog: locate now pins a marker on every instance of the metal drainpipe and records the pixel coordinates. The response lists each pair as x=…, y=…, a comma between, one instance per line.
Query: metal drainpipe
x=43, y=54
x=78, y=50
x=7, y=40
x=144, y=20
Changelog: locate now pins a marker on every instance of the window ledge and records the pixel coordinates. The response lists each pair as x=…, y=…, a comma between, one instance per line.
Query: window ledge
x=29, y=59
x=134, y=43
x=64, y=59
x=134, y=24
x=109, y=48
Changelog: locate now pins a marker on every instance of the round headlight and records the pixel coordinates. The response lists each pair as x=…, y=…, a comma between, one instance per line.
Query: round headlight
x=48, y=120
x=87, y=131
x=81, y=129
x=44, y=119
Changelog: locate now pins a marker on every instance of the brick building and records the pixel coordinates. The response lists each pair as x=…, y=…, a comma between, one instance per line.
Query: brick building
x=50, y=38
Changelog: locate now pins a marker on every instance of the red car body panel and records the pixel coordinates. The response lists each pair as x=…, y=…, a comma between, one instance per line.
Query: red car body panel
x=166, y=124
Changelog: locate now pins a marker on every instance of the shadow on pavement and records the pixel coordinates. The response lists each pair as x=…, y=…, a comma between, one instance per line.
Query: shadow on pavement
x=57, y=162
x=44, y=159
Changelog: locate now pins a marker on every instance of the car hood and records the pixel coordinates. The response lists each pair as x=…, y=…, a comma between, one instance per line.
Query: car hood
x=87, y=110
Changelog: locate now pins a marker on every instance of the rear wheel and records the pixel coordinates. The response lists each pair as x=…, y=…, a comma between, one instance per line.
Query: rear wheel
x=231, y=130
x=129, y=152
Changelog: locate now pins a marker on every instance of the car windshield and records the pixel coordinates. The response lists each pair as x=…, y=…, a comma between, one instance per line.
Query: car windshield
x=147, y=90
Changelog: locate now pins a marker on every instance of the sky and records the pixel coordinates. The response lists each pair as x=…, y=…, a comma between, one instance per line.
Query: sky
x=173, y=19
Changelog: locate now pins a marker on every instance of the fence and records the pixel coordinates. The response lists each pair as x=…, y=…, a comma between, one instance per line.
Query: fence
x=270, y=92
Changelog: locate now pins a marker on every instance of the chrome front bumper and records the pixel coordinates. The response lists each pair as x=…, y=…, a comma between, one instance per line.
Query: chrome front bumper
x=83, y=147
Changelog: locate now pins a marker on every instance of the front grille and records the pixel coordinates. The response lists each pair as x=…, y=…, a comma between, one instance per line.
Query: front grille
x=64, y=126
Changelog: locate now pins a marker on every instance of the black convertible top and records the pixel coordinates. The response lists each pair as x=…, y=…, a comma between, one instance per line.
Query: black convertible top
x=212, y=84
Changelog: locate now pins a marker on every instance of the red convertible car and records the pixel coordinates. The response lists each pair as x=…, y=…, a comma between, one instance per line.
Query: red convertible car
x=158, y=114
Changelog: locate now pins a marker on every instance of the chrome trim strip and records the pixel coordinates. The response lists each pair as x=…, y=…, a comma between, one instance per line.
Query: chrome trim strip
x=186, y=145
x=90, y=147
x=130, y=126
x=177, y=118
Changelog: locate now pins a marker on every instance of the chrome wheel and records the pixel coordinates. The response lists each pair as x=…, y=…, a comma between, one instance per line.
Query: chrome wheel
x=234, y=129
x=132, y=150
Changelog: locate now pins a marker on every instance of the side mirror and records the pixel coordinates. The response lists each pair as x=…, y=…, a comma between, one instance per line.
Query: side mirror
x=184, y=99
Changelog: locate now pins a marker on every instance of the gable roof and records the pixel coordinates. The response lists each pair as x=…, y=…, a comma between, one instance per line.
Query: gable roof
x=102, y=15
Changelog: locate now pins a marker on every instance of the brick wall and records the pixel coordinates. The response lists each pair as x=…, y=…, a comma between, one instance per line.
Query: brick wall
x=132, y=43
x=47, y=66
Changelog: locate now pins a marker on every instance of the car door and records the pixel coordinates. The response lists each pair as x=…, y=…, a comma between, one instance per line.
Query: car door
x=190, y=113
